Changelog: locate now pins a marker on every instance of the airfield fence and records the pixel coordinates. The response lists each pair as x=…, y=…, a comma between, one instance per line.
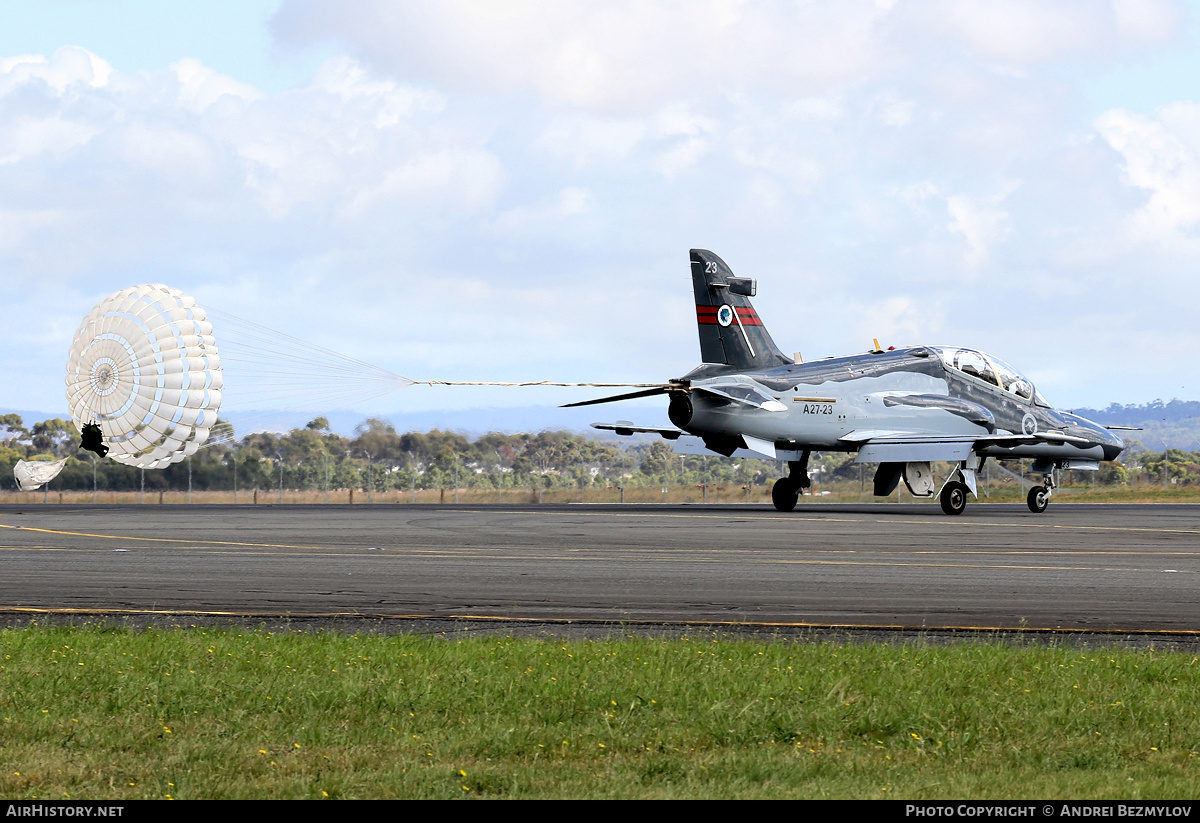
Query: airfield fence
x=836, y=492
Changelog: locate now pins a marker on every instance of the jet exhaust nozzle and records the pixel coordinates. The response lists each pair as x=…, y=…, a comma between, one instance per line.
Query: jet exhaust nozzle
x=680, y=411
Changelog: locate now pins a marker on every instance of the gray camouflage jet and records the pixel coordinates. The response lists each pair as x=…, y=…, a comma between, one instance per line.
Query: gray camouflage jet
x=902, y=408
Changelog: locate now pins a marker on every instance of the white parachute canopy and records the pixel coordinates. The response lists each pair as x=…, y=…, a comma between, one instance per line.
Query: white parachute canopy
x=144, y=367
x=35, y=474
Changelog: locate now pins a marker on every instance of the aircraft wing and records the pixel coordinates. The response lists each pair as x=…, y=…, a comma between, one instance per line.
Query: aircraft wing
x=881, y=446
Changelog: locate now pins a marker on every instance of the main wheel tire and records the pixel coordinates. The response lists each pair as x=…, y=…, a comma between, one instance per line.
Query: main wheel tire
x=784, y=494
x=1038, y=499
x=954, y=497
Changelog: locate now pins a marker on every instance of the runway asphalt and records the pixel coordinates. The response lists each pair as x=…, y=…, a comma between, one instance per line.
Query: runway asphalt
x=1097, y=568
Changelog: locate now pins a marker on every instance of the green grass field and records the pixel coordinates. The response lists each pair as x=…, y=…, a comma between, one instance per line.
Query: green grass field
x=94, y=713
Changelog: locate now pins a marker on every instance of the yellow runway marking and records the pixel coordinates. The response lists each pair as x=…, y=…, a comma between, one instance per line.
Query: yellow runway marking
x=159, y=539
x=933, y=520
x=471, y=553
x=745, y=624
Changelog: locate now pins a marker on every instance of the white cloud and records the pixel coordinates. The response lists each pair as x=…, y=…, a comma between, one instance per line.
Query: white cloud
x=68, y=67
x=200, y=86
x=636, y=55
x=1035, y=31
x=1161, y=153
x=586, y=140
x=900, y=320
x=346, y=143
x=981, y=221
x=27, y=136
x=569, y=202
x=466, y=180
x=631, y=56
x=877, y=166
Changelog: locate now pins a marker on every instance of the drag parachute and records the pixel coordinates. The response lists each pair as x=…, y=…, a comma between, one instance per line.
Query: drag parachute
x=144, y=368
x=33, y=474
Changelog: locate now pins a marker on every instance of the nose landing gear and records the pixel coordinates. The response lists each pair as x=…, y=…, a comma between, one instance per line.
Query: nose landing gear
x=1038, y=499
x=1039, y=496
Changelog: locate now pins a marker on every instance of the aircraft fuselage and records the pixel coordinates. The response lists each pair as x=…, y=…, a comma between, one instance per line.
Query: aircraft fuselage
x=838, y=403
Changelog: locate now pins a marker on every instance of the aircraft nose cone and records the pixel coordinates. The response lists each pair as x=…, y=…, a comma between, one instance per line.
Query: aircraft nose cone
x=1109, y=443
x=1111, y=450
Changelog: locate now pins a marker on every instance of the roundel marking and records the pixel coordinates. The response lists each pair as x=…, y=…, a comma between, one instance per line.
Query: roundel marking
x=725, y=315
x=1029, y=424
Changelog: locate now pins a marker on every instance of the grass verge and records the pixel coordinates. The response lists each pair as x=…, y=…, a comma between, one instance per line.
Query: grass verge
x=96, y=713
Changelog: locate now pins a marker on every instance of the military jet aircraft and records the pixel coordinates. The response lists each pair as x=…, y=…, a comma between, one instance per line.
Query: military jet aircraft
x=900, y=408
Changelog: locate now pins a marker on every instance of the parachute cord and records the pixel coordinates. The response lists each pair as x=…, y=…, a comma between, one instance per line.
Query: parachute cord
x=269, y=376
x=540, y=383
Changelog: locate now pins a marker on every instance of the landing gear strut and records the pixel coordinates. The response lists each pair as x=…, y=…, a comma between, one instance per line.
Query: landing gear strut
x=786, y=491
x=961, y=485
x=1039, y=496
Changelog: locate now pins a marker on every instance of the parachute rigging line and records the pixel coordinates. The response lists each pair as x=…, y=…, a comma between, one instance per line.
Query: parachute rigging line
x=270, y=373
x=144, y=368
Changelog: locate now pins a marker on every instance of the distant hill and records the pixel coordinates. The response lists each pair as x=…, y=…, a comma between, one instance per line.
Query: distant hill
x=1177, y=423
x=472, y=422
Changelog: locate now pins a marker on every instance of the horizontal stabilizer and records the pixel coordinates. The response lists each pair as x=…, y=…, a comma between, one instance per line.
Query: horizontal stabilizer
x=625, y=429
x=663, y=389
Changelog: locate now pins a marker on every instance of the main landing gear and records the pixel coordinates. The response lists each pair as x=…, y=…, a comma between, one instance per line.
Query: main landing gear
x=961, y=485
x=954, y=497
x=786, y=491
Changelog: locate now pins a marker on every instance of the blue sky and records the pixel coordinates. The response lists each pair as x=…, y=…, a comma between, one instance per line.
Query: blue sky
x=507, y=191
x=231, y=36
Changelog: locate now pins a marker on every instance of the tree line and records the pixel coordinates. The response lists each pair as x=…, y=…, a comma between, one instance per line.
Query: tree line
x=378, y=458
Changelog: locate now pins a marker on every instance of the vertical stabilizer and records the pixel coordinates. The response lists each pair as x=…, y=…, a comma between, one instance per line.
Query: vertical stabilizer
x=730, y=331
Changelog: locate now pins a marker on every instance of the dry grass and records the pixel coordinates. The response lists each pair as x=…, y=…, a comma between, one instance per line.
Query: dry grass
x=830, y=493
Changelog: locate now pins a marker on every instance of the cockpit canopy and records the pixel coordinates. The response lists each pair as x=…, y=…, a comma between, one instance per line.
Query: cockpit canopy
x=991, y=370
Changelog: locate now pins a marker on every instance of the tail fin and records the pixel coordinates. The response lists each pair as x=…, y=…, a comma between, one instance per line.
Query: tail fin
x=730, y=331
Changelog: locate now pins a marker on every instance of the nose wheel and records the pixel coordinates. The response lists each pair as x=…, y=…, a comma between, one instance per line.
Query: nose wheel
x=1039, y=496
x=1038, y=499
